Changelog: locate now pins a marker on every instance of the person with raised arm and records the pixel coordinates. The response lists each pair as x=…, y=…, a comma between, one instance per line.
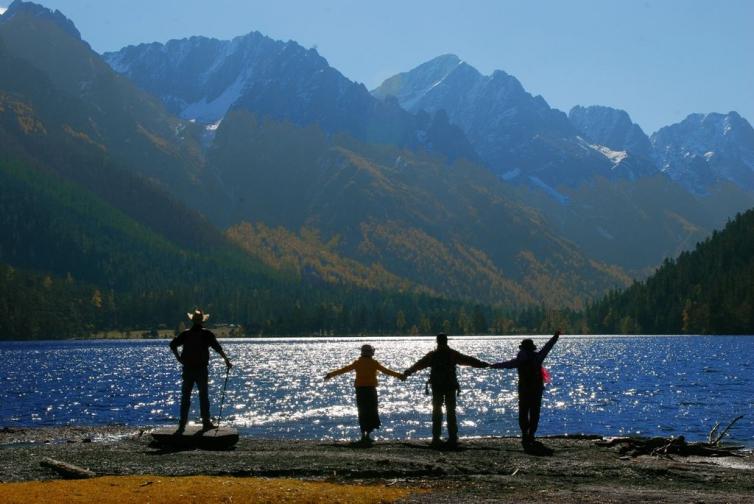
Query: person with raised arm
x=366, y=368
x=443, y=379
x=531, y=384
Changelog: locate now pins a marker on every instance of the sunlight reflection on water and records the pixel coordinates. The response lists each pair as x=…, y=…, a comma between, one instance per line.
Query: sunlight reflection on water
x=603, y=385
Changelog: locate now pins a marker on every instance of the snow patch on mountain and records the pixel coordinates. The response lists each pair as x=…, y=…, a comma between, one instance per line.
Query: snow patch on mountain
x=510, y=175
x=552, y=192
x=614, y=156
x=612, y=128
x=212, y=111
x=603, y=232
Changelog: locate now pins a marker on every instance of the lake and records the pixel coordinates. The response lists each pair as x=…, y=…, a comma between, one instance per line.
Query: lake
x=600, y=385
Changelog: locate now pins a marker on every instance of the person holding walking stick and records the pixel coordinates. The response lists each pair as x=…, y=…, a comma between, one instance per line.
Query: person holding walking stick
x=196, y=343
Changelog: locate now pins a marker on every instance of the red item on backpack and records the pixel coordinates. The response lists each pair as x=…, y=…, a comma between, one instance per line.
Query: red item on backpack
x=546, y=375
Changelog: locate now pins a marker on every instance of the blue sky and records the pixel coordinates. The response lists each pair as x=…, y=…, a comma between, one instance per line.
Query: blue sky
x=659, y=60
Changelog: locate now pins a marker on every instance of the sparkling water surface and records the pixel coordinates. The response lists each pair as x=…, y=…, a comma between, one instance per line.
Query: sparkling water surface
x=600, y=385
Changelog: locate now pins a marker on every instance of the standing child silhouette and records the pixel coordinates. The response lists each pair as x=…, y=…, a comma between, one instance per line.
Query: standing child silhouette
x=366, y=368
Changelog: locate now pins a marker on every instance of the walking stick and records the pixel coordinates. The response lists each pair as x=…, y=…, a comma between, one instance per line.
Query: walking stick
x=222, y=397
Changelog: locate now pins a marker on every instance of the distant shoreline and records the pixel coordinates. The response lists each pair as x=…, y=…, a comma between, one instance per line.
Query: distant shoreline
x=357, y=337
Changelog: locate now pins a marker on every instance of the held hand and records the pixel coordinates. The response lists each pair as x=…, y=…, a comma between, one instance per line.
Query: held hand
x=496, y=366
x=402, y=377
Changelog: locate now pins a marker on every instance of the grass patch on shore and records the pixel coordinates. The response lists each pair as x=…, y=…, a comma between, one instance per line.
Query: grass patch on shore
x=194, y=489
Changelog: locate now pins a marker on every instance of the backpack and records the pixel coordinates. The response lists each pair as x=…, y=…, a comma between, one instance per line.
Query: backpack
x=442, y=376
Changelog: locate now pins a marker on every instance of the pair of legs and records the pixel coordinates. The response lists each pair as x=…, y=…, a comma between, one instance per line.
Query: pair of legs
x=448, y=398
x=190, y=377
x=529, y=405
x=369, y=418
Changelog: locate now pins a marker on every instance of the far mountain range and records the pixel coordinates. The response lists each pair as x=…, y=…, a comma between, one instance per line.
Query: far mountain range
x=583, y=169
x=441, y=182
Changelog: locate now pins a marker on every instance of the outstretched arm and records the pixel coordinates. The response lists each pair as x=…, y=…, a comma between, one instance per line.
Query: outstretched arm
x=468, y=360
x=394, y=374
x=509, y=364
x=423, y=363
x=548, y=346
x=340, y=371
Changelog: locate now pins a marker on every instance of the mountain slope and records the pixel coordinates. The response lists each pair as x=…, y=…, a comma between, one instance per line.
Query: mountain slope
x=453, y=229
x=202, y=79
x=709, y=290
x=636, y=224
x=401, y=220
x=39, y=127
x=87, y=161
x=71, y=264
x=305, y=164
x=595, y=179
x=88, y=112
x=125, y=120
x=58, y=229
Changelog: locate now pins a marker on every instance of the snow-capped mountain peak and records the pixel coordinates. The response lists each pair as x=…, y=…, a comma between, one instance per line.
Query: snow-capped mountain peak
x=705, y=148
x=513, y=131
x=202, y=79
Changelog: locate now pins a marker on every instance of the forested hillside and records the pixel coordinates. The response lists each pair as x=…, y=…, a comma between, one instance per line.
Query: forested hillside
x=71, y=264
x=707, y=291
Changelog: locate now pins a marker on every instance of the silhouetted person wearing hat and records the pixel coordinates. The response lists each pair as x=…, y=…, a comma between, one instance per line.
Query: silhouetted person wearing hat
x=366, y=368
x=531, y=385
x=442, y=362
x=196, y=343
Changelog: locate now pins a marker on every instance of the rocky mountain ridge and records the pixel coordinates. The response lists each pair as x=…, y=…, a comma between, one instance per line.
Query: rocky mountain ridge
x=201, y=79
x=510, y=128
x=519, y=136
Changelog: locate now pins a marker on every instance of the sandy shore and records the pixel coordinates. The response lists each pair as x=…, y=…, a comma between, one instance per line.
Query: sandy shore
x=481, y=469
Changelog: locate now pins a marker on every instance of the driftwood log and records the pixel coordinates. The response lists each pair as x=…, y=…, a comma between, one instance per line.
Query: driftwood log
x=660, y=446
x=716, y=441
x=67, y=471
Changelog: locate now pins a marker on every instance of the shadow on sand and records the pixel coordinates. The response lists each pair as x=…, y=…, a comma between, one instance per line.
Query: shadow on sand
x=538, y=450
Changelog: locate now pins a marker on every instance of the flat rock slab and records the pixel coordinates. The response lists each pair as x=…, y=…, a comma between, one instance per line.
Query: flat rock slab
x=221, y=438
